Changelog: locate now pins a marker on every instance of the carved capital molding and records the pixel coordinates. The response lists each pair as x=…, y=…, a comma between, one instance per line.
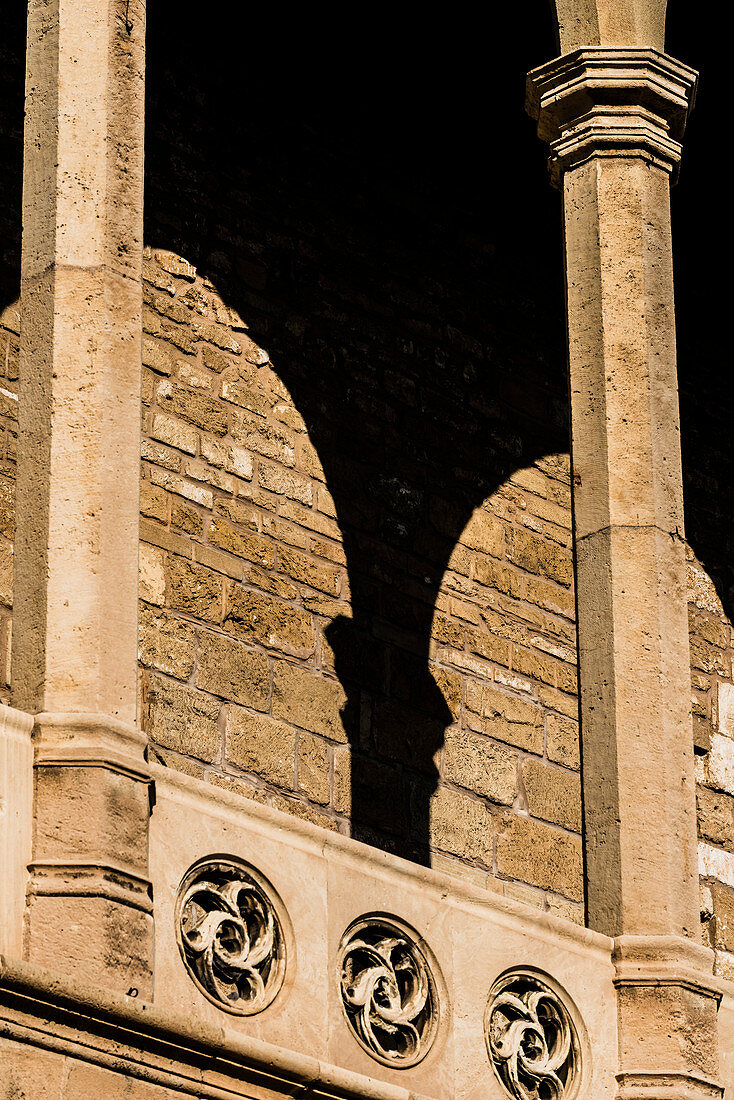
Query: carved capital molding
x=88, y=741
x=607, y=102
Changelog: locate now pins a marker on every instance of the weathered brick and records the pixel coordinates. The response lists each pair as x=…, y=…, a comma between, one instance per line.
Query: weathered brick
x=480, y=765
x=504, y=717
x=258, y=744
x=261, y=618
x=308, y=700
x=553, y=793
x=166, y=643
x=183, y=719
x=233, y=671
x=194, y=589
x=543, y=856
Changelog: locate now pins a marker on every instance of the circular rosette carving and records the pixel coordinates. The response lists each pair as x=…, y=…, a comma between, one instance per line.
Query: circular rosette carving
x=532, y=1041
x=229, y=935
x=388, y=991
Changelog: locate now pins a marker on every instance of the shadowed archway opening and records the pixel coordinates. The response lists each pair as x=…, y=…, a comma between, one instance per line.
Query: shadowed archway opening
x=379, y=213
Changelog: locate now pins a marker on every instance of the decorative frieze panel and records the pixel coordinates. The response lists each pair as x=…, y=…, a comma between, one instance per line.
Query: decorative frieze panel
x=388, y=991
x=230, y=936
x=532, y=1041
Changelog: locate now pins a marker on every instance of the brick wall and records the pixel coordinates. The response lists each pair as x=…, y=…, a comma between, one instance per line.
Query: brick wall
x=247, y=611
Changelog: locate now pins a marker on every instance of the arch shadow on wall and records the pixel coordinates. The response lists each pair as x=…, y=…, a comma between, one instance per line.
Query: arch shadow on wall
x=379, y=213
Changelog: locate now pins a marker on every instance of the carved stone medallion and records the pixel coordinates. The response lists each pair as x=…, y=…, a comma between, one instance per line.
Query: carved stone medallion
x=532, y=1041
x=388, y=991
x=229, y=935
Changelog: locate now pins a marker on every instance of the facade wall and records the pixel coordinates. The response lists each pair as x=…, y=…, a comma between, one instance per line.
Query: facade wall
x=356, y=567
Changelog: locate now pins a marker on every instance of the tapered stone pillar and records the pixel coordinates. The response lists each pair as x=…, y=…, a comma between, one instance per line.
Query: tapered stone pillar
x=614, y=118
x=75, y=612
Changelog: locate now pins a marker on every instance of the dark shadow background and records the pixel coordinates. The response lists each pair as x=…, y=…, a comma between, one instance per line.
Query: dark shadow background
x=702, y=244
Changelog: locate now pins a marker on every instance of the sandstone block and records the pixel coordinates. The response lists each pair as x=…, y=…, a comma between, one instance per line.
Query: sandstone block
x=233, y=671
x=261, y=618
x=186, y=518
x=166, y=643
x=175, y=432
x=242, y=543
x=542, y=856
x=541, y=556
x=195, y=407
x=461, y=825
x=152, y=576
x=504, y=717
x=153, y=502
x=183, y=719
x=269, y=440
x=723, y=924
x=486, y=533
x=313, y=768
x=480, y=765
x=308, y=571
x=309, y=700
x=715, y=818
x=286, y=483
x=562, y=741
x=553, y=793
x=194, y=589
x=259, y=744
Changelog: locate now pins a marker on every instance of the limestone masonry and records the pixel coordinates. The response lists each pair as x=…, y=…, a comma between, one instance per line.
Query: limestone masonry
x=367, y=719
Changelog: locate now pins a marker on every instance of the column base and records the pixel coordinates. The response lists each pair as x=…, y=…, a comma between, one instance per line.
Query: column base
x=668, y=1001
x=90, y=905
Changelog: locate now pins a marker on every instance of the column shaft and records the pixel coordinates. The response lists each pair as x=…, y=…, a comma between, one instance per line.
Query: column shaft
x=639, y=788
x=75, y=612
x=614, y=117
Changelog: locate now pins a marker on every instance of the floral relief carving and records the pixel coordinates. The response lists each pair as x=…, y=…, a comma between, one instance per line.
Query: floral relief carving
x=229, y=935
x=388, y=992
x=531, y=1039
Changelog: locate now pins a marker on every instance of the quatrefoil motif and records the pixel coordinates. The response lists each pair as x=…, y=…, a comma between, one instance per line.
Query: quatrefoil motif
x=531, y=1039
x=230, y=936
x=388, y=992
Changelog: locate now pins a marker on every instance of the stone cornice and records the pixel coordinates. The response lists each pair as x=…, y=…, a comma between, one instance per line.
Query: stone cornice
x=141, y=1041
x=606, y=101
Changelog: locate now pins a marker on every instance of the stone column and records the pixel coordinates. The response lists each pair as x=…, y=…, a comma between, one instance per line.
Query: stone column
x=75, y=612
x=614, y=118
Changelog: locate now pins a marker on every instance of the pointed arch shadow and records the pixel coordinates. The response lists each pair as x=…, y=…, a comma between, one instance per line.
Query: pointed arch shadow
x=399, y=254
